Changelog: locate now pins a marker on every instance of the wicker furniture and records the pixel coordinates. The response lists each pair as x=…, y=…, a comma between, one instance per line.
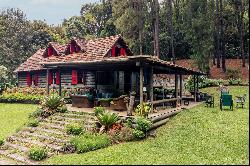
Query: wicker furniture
x=119, y=104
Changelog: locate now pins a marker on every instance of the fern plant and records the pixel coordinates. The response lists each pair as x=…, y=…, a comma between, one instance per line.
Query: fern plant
x=107, y=119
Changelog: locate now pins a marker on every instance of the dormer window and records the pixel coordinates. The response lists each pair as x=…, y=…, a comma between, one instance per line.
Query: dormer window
x=72, y=48
x=118, y=51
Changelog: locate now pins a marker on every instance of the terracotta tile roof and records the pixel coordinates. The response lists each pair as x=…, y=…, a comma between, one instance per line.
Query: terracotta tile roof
x=58, y=47
x=32, y=63
x=95, y=50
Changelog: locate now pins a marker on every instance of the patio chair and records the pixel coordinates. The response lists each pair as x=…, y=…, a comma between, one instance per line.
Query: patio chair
x=240, y=100
x=226, y=100
x=209, y=100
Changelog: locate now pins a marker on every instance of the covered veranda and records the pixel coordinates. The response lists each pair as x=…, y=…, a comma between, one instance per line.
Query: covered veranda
x=144, y=66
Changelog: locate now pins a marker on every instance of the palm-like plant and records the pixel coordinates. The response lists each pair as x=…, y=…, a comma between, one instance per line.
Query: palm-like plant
x=107, y=119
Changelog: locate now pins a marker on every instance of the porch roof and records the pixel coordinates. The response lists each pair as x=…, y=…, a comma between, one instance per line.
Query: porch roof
x=126, y=63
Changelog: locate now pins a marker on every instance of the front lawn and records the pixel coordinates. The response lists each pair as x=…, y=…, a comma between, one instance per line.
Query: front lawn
x=13, y=117
x=197, y=136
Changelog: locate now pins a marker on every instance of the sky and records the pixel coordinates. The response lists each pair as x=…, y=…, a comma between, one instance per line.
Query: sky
x=52, y=11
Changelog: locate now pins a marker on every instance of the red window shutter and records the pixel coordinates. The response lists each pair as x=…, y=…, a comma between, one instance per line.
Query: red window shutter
x=74, y=77
x=50, y=78
x=113, y=51
x=77, y=49
x=122, y=52
x=57, y=77
x=28, y=79
x=36, y=79
x=50, y=51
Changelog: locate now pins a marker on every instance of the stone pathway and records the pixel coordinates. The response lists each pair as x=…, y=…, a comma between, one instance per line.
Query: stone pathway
x=49, y=134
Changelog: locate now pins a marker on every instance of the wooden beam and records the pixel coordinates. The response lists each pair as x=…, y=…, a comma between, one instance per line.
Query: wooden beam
x=151, y=90
x=47, y=82
x=141, y=85
x=176, y=85
x=165, y=100
x=60, y=84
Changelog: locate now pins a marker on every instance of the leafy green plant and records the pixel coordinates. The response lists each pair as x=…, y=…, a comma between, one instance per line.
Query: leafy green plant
x=99, y=110
x=143, y=124
x=1, y=141
x=37, y=113
x=74, y=128
x=138, y=134
x=52, y=102
x=107, y=119
x=33, y=122
x=88, y=142
x=143, y=110
x=37, y=153
x=62, y=109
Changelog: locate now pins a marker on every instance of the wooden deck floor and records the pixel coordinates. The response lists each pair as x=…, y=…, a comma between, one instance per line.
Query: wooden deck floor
x=124, y=113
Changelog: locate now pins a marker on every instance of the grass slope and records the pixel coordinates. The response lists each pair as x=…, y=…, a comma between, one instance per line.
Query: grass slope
x=197, y=136
x=13, y=117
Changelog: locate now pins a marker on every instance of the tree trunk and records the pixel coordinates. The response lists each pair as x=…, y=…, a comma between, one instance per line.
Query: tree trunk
x=140, y=25
x=241, y=34
x=222, y=38
x=170, y=27
x=215, y=49
x=156, y=28
x=217, y=34
x=131, y=105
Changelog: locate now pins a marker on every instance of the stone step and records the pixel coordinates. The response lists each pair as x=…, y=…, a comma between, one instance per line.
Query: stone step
x=52, y=126
x=18, y=157
x=37, y=143
x=80, y=112
x=74, y=115
x=41, y=130
x=61, y=118
x=44, y=137
x=15, y=146
x=56, y=122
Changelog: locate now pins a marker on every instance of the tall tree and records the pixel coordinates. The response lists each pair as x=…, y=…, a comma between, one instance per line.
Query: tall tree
x=218, y=52
x=215, y=49
x=170, y=27
x=222, y=43
x=156, y=7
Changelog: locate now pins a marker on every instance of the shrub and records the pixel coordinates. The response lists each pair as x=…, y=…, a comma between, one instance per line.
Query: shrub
x=122, y=135
x=52, y=102
x=20, y=98
x=1, y=141
x=74, y=128
x=99, y=110
x=62, y=109
x=33, y=122
x=107, y=119
x=89, y=142
x=37, y=113
x=143, y=124
x=68, y=148
x=232, y=73
x=232, y=81
x=138, y=134
x=37, y=153
x=143, y=110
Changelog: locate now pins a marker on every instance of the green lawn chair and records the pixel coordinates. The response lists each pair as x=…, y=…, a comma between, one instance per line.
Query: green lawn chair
x=226, y=100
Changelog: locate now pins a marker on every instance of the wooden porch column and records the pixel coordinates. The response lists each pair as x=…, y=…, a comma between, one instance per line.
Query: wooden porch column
x=141, y=85
x=180, y=86
x=47, y=82
x=194, y=88
x=151, y=91
x=60, y=84
x=176, y=85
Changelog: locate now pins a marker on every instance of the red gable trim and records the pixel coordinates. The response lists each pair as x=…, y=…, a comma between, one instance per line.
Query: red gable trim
x=113, y=51
x=122, y=52
x=50, y=51
x=74, y=77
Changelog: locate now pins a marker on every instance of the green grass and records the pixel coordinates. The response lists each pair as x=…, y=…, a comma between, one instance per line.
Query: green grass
x=197, y=136
x=13, y=117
